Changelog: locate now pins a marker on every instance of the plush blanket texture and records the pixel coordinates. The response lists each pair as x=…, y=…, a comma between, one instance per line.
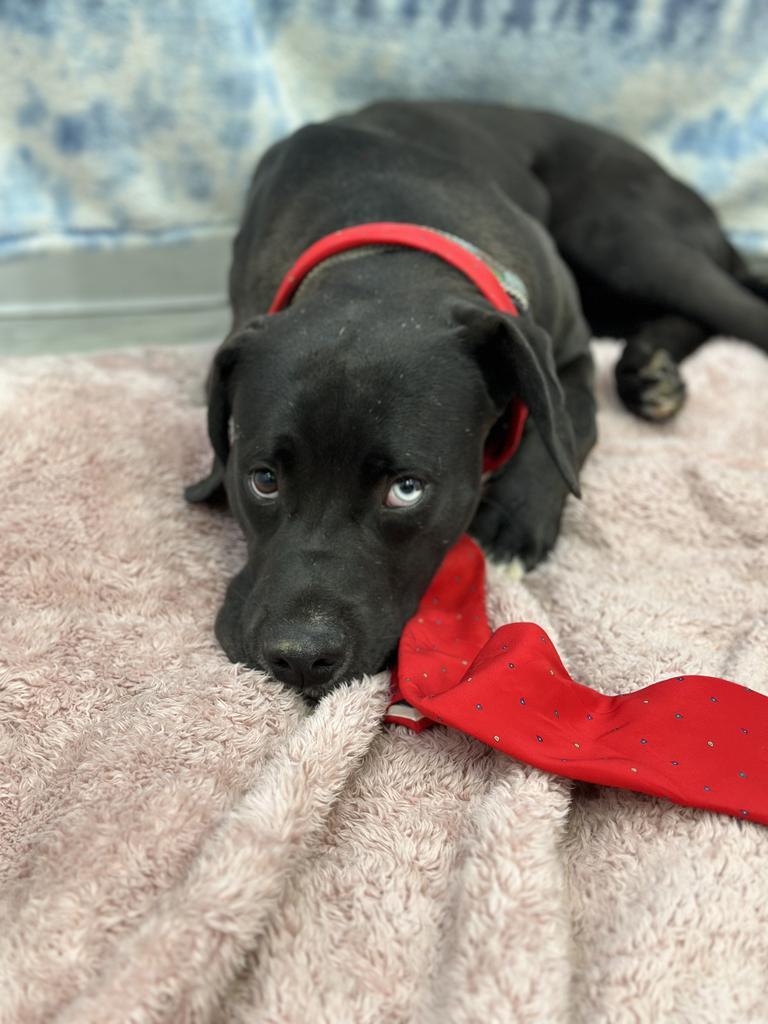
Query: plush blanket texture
x=182, y=841
x=141, y=122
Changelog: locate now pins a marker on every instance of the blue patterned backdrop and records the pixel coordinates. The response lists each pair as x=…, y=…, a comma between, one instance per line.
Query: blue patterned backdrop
x=128, y=120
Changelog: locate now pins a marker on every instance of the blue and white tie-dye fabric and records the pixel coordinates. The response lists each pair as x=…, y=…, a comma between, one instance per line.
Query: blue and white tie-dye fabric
x=130, y=121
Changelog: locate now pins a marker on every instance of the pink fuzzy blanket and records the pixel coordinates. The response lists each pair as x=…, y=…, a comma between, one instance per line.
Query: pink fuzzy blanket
x=181, y=841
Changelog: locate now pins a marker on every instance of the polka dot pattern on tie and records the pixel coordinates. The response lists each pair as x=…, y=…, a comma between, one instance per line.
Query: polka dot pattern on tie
x=682, y=738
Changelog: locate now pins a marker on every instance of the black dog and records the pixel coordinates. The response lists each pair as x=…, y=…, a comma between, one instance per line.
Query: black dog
x=349, y=429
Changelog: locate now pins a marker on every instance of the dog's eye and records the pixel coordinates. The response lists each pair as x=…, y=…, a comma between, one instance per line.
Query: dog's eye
x=405, y=492
x=263, y=483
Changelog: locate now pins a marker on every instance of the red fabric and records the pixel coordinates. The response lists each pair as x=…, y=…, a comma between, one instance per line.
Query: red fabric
x=696, y=740
x=412, y=236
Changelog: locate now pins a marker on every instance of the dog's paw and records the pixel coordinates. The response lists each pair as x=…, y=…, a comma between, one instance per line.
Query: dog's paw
x=514, y=534
x=653, y=390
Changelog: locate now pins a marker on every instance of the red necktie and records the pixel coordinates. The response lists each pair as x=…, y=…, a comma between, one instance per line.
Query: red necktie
x=696, y=740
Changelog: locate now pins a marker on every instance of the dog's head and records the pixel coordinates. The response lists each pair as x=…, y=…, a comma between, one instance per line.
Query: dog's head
x=350, y=448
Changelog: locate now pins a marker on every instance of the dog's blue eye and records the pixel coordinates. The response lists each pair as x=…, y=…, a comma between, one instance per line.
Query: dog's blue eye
x=405, y=492
x=263, y=483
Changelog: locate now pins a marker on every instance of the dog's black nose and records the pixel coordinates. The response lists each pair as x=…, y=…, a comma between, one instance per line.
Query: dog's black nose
x=305, y=656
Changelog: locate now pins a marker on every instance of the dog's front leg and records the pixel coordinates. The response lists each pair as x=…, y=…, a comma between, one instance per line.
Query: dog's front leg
x=520, y=511
x=522, y=505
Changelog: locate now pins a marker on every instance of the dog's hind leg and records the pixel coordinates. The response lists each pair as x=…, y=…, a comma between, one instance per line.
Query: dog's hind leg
x=692, y=296
x=648, y=264
x=710, y=295
x=648, y=377
x=703, y=299
x=757, y=285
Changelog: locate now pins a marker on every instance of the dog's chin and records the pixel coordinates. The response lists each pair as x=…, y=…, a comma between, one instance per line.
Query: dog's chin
x=312, y=697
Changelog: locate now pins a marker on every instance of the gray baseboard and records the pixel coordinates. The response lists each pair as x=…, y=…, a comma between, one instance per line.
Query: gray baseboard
x=120, y=282
x=84, y=300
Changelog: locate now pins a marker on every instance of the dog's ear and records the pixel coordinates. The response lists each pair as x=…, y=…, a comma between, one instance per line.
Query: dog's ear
x=515, y=358
x=211, y=487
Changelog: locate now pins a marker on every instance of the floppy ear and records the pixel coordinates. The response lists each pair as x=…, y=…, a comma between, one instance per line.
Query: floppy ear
x=211, y=488
x=515, y=357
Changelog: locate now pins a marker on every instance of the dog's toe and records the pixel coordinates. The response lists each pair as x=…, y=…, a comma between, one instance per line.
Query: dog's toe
x=514, y=570
x=654, y=390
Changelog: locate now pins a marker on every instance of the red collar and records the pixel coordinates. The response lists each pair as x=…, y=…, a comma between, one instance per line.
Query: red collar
x=458, y=255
